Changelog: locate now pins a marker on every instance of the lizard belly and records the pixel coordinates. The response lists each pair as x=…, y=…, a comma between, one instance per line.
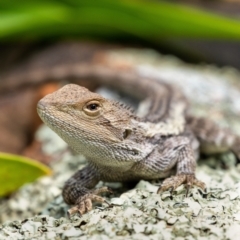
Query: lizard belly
x=123, y=175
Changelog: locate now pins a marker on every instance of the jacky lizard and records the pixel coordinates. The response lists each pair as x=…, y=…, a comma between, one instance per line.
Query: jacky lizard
x=121, y=146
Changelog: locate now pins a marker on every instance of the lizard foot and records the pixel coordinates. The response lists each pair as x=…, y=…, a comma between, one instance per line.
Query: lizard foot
x=175, y=181
x=84, y=203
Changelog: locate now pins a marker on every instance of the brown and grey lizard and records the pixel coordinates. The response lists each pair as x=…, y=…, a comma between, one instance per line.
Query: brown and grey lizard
x=121, y=146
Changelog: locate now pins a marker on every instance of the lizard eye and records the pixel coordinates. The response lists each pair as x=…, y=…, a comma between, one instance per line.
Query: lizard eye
x=92, y=108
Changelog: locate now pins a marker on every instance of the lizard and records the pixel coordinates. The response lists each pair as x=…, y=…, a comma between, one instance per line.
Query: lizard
x=123, y=145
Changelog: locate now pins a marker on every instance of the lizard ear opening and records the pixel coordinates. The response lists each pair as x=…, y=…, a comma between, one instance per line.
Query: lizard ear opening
x=92, y=108
x=126, y=133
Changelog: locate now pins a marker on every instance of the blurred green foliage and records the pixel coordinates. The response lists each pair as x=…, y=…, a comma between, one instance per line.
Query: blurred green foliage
x=149, y=20
x=16, y=170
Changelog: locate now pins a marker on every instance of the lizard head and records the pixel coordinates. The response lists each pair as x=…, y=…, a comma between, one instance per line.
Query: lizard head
x=89, y=123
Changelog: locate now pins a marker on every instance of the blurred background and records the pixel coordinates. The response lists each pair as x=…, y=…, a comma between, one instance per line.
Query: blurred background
x=39, y=35
x=196, y=31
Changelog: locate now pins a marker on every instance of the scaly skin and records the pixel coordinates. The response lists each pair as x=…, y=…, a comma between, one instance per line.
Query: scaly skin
x=121, y=146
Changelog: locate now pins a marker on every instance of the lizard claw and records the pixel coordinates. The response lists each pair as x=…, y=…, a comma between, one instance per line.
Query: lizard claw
x=84, y=203
x=176, y=181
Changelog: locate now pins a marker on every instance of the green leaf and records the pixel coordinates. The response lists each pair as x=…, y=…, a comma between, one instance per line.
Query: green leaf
x=16, y=170
x=150, y=21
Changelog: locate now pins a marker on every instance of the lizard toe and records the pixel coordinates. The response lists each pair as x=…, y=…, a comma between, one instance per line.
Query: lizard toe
x=175, y=181
x=172, y=182
x=102, y=190
x=84, y=203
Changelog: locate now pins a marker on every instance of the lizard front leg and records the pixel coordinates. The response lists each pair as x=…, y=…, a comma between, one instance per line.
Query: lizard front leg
x=171, y=152
x=186, y=165
x=76, y=190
